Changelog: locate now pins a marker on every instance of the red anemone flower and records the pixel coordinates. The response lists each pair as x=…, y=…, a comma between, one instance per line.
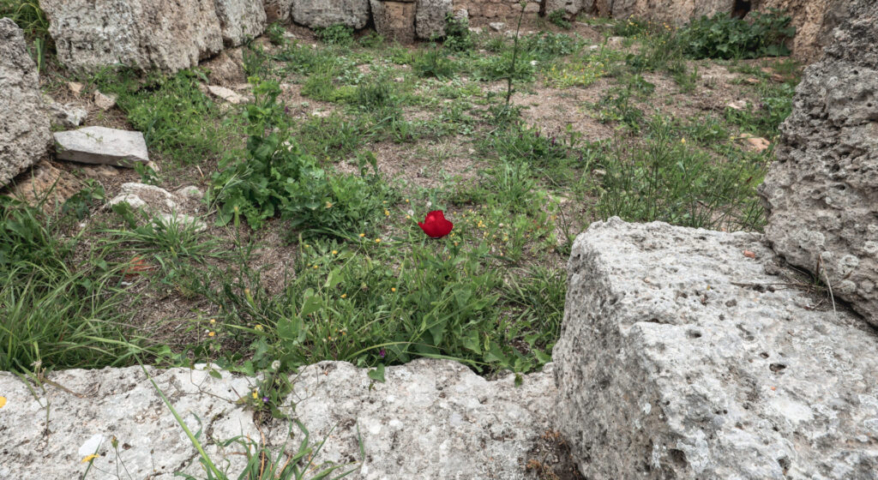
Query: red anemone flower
x=435, y=224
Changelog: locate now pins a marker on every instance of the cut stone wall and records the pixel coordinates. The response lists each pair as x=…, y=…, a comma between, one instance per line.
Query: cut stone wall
x=683, y=357
x=821, y=193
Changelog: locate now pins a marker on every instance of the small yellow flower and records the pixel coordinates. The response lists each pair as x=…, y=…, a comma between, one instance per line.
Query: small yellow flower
x=258, y=328
x=2, y=402
x=328, y=204
x=386, y=213
x=377, y=240
x=315, y=267
x=335, y=252
x=406, y=200
x=255, y=394
x=393, y=289
x=307, y=246
x=344, y=295
x=362, y=235
x=683, y=141
x=408, y=217
x=211, y=334
x=212, y=321
x=89, y=458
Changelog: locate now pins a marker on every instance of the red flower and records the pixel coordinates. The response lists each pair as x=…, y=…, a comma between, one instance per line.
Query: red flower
x=435, y=224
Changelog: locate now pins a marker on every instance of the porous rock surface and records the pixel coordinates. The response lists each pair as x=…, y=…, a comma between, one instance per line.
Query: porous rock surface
x=395, y=21
x=431, y=419
x=821, y=193
x=430, y=18
x=326, y=13
x=24, y=121
x=167, y=35
x=680, y=357
x=240, y=19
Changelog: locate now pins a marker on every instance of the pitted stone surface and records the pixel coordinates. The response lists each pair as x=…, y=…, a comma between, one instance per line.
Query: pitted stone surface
x=432, y=419
x=240, y=19
x=822, y=192
x=680, y=357
x=24, y=121
x=326, y=13
x=430, y=17
x=168, y=35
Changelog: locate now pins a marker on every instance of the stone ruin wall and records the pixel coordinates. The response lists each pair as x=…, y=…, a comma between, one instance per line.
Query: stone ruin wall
x=814, y=19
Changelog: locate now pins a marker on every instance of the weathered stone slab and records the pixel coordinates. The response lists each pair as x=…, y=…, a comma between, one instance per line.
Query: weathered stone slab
x=326, y=13
x=394, y=20
x=431, y=419
x=680, y=357
x=103, y=145
x=430, y=18
x=822, y=192
x=168, y=35
x=24, y=121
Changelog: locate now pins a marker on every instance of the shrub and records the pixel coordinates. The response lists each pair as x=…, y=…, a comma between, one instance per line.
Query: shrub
x=559, y=18
x=721, y=36
x=336, y=35
x=457, y=34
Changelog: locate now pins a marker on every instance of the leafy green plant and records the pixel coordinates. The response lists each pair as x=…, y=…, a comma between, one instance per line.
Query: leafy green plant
x=559, y=18
x=631, y=27
x=275, y=33
x=457, y=34
x=336, y=35
x=720, y=36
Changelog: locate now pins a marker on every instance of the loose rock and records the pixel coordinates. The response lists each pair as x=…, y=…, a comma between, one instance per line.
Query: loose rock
x=102, y=145
x=69, y=115
x=103, y=101
x=226, y=94
x=682, y=358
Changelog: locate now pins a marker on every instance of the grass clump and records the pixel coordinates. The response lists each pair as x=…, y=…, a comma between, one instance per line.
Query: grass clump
x=176, y=118
x=53, y=315
x=341, y=35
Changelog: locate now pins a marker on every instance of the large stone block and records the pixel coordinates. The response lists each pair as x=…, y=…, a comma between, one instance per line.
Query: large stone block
x=278, y=10
x=168, y=35
x=240, y=19
x=430, y=18
x=24, y=122
x=432, y=419
x=822, y=192
x=394, y=20
x=326, y=13
x=681, y=357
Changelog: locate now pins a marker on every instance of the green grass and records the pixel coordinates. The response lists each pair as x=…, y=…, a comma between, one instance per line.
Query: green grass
x=56, y=312
x=312, y=191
